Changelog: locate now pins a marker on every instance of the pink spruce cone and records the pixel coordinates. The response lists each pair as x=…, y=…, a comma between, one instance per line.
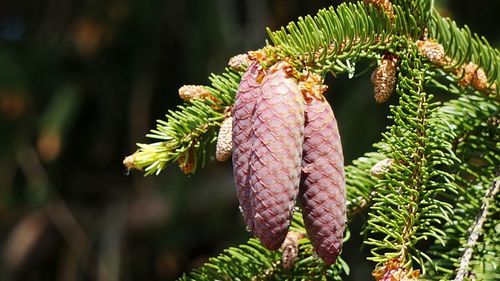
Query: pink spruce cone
x=275, y=164
x=322, y=189
x=243, y=110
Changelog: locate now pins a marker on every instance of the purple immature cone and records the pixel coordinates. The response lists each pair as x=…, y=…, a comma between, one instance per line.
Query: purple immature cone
x=243, y=110
x=275, y=164
x=322, y=188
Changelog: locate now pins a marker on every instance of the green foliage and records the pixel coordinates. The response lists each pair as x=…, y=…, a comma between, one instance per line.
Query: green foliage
x=360, y=183
x=463, y=46
x=477, y=148
x=407, y=209
x=251, y=261
x=333, y=35
x=444, y=147
x=193, y=125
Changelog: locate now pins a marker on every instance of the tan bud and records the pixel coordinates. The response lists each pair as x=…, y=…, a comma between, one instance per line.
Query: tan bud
x=239, y=62
x=480, y=81
x=290, y=249
x=384, y=5
x=224, y=146
x=186, y=161
x=384, y=78
x=433, y=51
x=190, y=92
x=472, y=75
x=494, y=121
x=129, y=163
x=382, y=167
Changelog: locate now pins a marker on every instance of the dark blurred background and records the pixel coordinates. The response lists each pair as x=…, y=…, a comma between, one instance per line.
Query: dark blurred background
x=82, y=81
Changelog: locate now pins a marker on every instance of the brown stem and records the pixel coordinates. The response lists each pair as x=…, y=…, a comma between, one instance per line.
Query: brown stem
x=476, y=230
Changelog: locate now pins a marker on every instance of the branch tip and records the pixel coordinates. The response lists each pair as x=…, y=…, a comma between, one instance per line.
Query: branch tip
x=129, y=163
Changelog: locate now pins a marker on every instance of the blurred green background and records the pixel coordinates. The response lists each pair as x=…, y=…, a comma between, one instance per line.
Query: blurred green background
x=82, y=81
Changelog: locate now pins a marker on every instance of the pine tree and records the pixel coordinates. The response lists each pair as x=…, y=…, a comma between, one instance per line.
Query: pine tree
x=432, y=179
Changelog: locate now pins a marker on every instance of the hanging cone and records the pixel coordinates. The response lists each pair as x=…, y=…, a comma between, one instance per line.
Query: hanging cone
x=242, y=138
x=278, y=125
x=322, y=190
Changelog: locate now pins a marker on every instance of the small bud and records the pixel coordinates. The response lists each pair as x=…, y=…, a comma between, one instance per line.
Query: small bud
x=467, y=73
x=433, y=51
x=494, y=121
x=190, y=92
x=480, y=81
x=473, y=75
x=394, y=270
x=239, y=62
x=224, y=146
x=290, y=249
x=384, y=5
x=129, y=163
x=382, y=167
x=384, y=78
x=186, y=161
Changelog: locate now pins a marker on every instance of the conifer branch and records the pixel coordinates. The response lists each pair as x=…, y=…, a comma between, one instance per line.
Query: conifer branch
x=479, y=156
x=332, y=41
x=328, y=42
x=467, y=54
x=476, y=230
x=190, y=132
x=251, y=261
x=463, y=116
x=406, y=209
x=360, y=183
x=440, y=153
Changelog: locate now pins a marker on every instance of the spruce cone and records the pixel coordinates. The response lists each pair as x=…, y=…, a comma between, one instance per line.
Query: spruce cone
x=322, y=188
x=278, y=126
x=243, y=110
